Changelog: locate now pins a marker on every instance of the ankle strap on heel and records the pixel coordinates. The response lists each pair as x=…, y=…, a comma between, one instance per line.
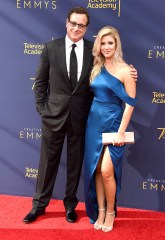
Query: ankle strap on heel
x=101, y=209
x=111, y=213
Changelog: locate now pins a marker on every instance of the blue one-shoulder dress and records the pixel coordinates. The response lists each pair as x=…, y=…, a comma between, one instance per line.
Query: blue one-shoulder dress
x=105, y=116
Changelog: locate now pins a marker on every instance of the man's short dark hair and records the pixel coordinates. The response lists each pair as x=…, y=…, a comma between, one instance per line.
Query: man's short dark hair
x=79, y=10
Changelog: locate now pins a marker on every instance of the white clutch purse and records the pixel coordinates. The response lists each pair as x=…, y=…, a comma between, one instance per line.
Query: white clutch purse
x=107, y=138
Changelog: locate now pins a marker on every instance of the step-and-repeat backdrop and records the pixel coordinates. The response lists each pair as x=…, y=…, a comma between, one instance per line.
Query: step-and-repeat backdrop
x=24, y=26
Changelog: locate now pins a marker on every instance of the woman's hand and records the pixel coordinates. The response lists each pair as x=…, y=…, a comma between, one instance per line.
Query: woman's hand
x=119, y=140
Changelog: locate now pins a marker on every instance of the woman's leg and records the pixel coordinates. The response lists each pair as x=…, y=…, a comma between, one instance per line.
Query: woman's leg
x=107, y=171
x=100, y=195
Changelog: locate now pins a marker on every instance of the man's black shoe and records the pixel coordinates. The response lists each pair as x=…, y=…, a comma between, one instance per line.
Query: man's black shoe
x=71, y=216
x=31, y=217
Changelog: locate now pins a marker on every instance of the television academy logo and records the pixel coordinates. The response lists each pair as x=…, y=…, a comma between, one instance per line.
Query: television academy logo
x=114, y=5
x=158, y=97
x=31, y=172
x=33, y=49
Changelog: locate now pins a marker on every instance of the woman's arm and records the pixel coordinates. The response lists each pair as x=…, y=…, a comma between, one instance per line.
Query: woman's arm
x=130, y=87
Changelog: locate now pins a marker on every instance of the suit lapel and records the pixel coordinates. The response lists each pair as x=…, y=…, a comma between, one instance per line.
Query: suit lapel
x=61, y=55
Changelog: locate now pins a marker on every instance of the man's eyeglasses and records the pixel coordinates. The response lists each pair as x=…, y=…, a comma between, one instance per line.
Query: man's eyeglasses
x=74, y=24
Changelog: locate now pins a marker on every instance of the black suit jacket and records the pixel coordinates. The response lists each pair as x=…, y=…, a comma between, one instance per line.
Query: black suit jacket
x=53, y=92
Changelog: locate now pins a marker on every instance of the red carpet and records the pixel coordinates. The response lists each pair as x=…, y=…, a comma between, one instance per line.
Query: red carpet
x=131, y=224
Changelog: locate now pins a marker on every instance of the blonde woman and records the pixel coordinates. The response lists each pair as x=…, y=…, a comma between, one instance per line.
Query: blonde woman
x=112, y=85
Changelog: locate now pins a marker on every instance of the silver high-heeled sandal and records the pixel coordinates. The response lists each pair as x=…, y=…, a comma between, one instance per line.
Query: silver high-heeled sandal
x=96, y=225
x=106, y=228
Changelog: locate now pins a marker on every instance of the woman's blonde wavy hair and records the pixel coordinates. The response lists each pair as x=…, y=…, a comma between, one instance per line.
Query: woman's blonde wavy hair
x=98, y=57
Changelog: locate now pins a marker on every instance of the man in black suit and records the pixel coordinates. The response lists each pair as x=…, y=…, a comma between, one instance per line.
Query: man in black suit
x=63, y=101
x=64, y=108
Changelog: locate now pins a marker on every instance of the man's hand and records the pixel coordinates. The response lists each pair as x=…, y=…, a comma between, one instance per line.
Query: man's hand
x=133, y=72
